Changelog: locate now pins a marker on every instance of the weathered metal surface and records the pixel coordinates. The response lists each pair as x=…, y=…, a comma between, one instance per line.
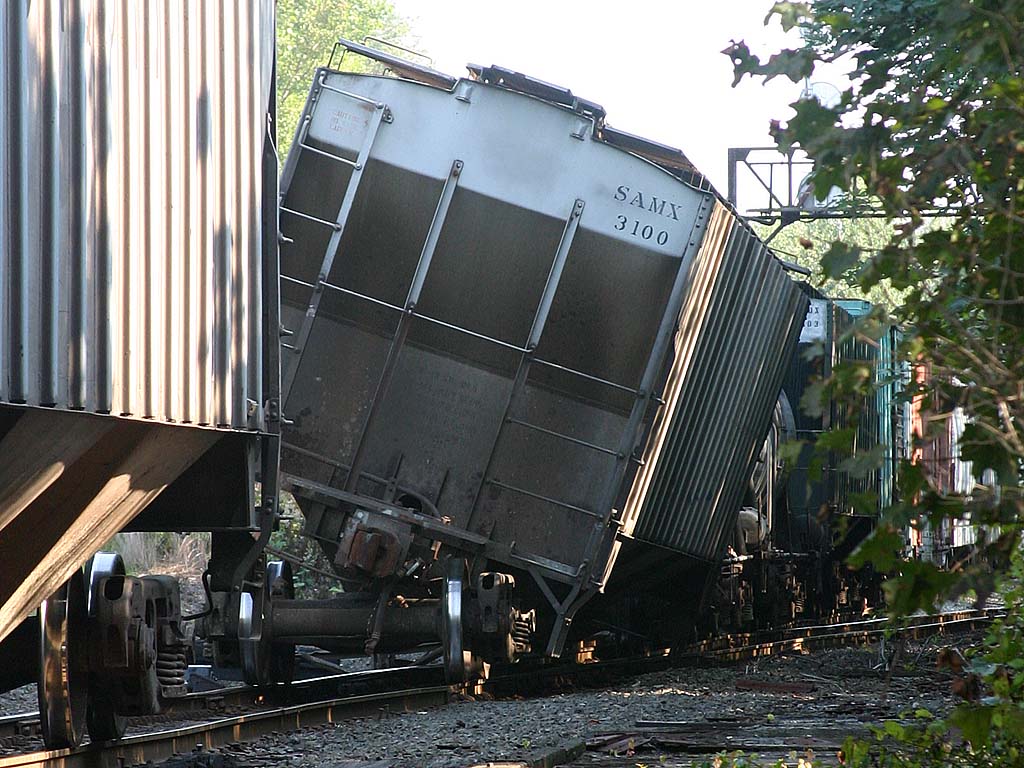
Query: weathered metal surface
x=122, y=469
x=136, y=170
x=484, y=295
x=131, y=262
x=738, y=327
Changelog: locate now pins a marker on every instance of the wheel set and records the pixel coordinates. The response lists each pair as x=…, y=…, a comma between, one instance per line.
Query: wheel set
x=64, y=664
x=265, y=662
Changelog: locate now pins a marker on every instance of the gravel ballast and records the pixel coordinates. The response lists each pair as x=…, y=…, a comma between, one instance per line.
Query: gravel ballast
x=848, y=693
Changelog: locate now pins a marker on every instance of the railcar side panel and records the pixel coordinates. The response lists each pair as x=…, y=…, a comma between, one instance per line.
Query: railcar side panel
x=131, y=257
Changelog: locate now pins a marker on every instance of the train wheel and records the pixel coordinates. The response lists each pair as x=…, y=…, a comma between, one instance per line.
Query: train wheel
x=64, y=665
x=281, y=584
x=102, y=719
x=451, y=603
x=263, y=661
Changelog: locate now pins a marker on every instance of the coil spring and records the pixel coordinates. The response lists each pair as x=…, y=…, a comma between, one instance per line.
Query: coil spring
x=171, y=664
x=798, y=604
x=747, y=613
x=523, y=626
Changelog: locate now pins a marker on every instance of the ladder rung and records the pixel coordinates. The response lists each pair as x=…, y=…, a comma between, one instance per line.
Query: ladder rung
x=562, y=436
x=365, y=297
x=587, y=376
x=332, y=224
x=474, y=334
x=337, y=158
x=539, y=497
x=303, y=283
x=351, y=95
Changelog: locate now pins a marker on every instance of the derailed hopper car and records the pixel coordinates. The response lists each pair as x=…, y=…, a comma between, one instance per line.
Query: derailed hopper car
x=518, y=338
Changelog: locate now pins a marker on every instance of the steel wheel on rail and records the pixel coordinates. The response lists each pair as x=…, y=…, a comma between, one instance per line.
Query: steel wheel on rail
x=280, y=583
x=102, y=719
x=265, y=662
x=451, y=622
x=63, y=685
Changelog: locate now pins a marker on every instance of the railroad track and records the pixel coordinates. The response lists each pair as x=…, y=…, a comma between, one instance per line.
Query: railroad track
x=748, y=647
x=161, y=745
x=730, y=649
x=334, y=698
x=228, y=701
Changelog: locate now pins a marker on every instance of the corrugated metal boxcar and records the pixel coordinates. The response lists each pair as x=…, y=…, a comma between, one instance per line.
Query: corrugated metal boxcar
x=792, y=546
x=830, y=325
x=138, y=186
x=516, y=331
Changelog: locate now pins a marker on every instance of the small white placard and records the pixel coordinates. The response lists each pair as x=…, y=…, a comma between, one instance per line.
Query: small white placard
x=814, y=323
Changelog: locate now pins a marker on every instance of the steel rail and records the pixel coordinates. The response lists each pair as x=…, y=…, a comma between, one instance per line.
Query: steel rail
x=161, y=745
x=224, y=730
x=529, y=679
x=820, y=637
x=873, y=623
x=218, y=700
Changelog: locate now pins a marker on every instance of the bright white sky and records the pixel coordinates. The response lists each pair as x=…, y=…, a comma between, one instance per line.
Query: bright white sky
x=655, y=65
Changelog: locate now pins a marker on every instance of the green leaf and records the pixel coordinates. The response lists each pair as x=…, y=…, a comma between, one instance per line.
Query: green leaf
x=917, y=587
x=790, y=452
x=863, y=463
x=882, y=549
x=790, y=14
x=838, y=439
x=840, y=259
x=975, y=722
x=894, y=729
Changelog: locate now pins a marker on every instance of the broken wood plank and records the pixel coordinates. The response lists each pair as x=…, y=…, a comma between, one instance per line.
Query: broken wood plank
x=626, y=744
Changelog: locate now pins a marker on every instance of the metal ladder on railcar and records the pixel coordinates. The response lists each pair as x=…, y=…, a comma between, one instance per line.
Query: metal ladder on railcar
x=566, y=607
x=337, y=226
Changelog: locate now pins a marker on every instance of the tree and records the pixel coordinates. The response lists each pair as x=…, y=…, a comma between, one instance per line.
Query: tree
x=807, y=243
x=931, y=122
x=306, y=33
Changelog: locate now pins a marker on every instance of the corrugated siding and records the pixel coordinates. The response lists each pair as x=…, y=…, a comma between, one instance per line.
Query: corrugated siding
x=738, y=327
x=132, y=136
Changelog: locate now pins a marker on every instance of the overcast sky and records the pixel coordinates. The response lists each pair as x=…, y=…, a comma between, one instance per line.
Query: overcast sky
x=655, y=65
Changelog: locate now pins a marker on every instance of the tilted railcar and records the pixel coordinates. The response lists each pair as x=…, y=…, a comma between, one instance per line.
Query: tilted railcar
x=789, y=562
x=518, y=341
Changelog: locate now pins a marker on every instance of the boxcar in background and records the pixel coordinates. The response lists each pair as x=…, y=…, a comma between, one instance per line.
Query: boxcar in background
x=827, y=342
x=137, y=273
x=934, y=435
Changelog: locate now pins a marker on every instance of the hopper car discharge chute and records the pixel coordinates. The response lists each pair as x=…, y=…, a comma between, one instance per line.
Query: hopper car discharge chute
x=518, y=343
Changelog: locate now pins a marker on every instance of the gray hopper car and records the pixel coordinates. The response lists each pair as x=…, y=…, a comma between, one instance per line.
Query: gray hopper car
x=518, y=339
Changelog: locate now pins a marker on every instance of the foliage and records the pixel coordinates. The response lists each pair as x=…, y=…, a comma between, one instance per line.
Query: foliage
x=742, y=760
x=161, y=552
x=808, y=243
x=306, y=33
x=930, y=122
x=311, y=570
